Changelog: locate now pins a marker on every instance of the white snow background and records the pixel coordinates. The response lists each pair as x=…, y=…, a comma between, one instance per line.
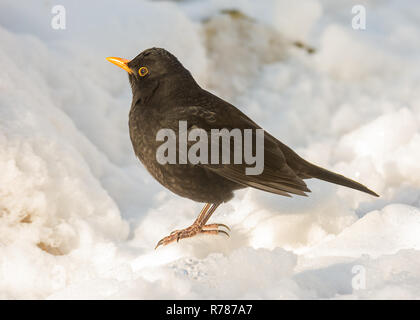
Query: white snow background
x=80, y=216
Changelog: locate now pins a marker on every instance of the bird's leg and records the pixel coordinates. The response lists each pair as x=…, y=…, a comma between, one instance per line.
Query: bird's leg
x=200, y=217
x=199, y=226
x=213, y=226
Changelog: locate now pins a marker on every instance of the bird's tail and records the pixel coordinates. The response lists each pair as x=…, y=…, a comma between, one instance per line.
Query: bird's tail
x=313, y=171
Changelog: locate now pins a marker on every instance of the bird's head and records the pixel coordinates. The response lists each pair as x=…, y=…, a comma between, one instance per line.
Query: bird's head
x=152, y=69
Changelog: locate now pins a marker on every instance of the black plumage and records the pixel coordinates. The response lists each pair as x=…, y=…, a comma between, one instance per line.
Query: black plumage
x=167, y=94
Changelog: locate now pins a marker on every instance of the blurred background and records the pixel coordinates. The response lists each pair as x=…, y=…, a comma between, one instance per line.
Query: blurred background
x=80, y=216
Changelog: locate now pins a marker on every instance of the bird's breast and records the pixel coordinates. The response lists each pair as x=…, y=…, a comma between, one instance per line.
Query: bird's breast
x=186, y=180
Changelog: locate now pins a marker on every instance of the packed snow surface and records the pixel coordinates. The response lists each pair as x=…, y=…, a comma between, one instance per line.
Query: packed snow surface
x=80, y=216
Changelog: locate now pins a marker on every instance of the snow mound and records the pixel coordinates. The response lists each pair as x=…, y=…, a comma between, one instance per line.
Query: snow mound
x=79, y=216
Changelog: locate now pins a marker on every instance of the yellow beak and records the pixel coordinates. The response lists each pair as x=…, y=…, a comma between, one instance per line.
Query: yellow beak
x=120, y=62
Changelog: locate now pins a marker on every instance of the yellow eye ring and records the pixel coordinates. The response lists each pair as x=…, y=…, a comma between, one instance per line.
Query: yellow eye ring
x=143, y=71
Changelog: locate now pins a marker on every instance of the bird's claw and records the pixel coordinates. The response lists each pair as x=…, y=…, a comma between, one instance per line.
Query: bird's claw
x=215, y=226
x=191, y=232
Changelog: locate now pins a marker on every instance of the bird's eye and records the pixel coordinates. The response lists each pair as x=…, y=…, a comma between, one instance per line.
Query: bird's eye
x=143, y=71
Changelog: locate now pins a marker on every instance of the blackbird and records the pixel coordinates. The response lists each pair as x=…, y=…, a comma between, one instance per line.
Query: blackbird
x=165, y=93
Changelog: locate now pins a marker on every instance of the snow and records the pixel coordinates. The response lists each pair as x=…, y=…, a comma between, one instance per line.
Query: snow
x=80, y=216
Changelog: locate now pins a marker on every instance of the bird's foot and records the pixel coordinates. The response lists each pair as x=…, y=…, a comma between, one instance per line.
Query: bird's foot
x=191, y=231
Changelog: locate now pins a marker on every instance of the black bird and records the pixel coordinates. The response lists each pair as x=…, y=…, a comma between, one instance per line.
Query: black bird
x=164, y=93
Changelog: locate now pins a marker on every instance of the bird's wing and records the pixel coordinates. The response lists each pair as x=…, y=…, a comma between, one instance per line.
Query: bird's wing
x=212, y=112
x=276, y=177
